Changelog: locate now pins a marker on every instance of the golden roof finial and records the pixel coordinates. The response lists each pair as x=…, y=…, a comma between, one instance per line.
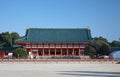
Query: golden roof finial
x=27, y=27
x=88, y=27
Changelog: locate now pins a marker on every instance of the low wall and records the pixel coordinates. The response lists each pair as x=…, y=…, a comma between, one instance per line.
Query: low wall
x=108, y=61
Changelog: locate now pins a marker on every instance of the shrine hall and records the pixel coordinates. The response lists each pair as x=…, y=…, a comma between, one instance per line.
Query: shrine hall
x=55, y=42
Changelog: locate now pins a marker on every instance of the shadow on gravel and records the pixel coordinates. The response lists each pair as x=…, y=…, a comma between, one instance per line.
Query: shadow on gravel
x=90, y=73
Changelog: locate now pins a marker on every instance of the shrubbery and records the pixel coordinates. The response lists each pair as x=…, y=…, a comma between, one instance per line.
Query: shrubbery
x=20, y=53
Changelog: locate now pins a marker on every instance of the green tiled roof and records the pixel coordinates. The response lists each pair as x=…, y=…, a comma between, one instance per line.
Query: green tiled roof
x=7, y=48
x=56, y=35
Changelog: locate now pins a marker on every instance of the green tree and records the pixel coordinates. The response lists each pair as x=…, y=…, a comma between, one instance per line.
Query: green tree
x=115, y=43
x=101, y=38
x=6, y=39
x=90, y=50
x=97, y=48
x=103, y=47
x=20, y=53
x=14, y=36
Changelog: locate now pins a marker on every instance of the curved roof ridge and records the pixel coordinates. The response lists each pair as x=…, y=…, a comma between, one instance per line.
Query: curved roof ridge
x=57, y=28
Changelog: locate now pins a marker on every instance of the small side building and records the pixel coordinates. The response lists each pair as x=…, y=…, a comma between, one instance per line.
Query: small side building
x=55, y=42
x=6, y=52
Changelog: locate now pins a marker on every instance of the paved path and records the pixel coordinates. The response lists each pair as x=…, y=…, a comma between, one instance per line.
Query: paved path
x=59, y=70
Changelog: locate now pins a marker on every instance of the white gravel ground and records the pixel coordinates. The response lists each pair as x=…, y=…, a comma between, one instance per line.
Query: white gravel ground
x=59, y=70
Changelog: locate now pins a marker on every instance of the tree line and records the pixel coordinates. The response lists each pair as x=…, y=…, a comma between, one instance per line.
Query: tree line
x=8, y=39
x=100, y=46
x=97, y=47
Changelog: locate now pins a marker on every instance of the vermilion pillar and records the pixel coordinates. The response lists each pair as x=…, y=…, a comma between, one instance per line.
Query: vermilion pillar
x=43, y=51
x=73, y=49
x=61, y=52
x=31, y=49
x=79, y=52
x=55, y=51
x=37, y=49
x=49, y=51
x=67, y=51
x=73, y=52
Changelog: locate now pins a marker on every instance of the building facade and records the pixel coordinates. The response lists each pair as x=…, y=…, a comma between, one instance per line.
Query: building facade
x=6, y=52
x=55, y=42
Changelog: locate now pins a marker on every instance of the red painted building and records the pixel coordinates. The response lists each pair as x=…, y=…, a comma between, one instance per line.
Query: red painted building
x=6, y=51
x=55, y=42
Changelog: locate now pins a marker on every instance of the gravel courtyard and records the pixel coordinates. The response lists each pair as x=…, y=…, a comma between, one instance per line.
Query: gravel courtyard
x=59, y=70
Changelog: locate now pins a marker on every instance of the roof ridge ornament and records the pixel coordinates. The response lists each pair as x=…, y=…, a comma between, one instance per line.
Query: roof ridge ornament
x=88, y=27
x=27, y=27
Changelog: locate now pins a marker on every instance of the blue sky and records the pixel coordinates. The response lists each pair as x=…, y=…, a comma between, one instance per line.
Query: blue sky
x=102, y=16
